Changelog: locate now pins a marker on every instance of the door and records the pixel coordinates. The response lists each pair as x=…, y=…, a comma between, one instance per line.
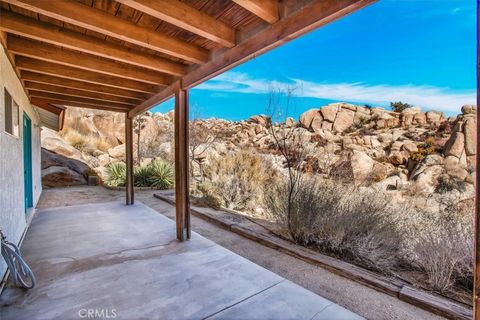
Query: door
x=27, y=161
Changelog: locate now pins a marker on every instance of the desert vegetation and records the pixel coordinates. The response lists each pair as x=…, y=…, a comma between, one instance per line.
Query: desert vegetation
x=366, y=228
x=157, y=174
x=236, y=180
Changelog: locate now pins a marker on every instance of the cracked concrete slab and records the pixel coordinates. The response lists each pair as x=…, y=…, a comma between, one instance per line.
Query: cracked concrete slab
x=124, y=261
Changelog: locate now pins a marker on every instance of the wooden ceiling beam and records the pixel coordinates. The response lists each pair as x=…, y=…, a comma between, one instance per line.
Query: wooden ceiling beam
x=37, y=101
x=103, y=22
x=78, y=93
x=43, y=31
x=93, y=102
x=158, y=98
x=24, y=63
x=81, y=85
x=51, y=53
x=266, y=10
x=184, y=16
x=42, y=104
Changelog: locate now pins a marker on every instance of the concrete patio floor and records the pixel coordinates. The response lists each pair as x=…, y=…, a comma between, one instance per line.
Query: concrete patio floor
x=124, y=261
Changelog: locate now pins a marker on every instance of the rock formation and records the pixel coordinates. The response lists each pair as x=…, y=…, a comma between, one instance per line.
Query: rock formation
x=362, y=145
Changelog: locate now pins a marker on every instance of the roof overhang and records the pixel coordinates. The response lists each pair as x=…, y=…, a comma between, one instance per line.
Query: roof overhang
x=51, y=116
x=130, y=55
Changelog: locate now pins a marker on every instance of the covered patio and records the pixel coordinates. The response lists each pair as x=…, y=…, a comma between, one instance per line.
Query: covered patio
x=128, y=56
x=125, y=261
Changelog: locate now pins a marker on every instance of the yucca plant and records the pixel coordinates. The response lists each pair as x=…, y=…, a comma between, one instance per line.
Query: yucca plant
x=162, y=176
x=116, y=174
x=142, y=176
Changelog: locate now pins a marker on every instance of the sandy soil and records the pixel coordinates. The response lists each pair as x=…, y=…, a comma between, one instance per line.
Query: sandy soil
x=366, y=302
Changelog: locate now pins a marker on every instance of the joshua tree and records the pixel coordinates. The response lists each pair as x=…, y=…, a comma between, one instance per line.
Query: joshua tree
x=139, y=125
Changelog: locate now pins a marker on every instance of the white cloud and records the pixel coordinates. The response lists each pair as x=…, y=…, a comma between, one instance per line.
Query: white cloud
x=426, y=97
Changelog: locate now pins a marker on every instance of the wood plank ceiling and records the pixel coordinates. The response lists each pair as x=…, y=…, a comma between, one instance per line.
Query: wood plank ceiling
x=127, y=55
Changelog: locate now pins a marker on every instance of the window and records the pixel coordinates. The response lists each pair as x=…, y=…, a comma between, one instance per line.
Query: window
x=12, y=116
x=16, y=119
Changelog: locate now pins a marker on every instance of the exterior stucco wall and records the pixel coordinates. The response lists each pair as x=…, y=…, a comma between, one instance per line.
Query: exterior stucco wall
x=13, y=220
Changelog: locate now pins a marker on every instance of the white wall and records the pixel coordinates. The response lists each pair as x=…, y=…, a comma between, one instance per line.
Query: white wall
x=12, y=212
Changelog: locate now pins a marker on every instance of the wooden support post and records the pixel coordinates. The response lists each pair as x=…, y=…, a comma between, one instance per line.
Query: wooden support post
x=129, y=158
x=181, y=164
x=476, y=274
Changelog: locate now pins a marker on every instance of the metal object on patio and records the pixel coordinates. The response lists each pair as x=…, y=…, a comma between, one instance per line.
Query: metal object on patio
x=20, y=272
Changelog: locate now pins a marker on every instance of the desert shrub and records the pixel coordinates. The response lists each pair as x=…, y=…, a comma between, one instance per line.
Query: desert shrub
x=430, y=146
x=158, y=174
x=161, y=175
x=358, y=226
x=142, y=176
x=210, y=195
x=115, y=174
x=441, y=244
x=101, y=144
x=399, y=106
x=445, y=184
x=237, y=178
x=354, y=128
x=76, y=140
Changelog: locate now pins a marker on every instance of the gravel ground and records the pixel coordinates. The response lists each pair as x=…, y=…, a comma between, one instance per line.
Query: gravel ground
x=360, y=299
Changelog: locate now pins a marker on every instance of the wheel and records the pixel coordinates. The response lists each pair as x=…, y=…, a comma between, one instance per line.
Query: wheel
x=19, y=270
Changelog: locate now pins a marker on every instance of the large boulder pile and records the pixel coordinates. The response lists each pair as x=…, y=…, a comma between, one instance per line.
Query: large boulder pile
x=361, y=145
x=460, y=148
x=109, y=126
x=339, y=117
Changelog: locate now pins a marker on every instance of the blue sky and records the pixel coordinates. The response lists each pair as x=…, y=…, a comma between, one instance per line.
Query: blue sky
x=418, y=51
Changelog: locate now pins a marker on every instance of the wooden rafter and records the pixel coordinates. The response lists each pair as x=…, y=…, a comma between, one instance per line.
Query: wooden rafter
x=51, y=53
x=158, y=98
x=42, y=31
x=78, y=93
x=54, y=69
x=38, y=100
x=264, y=9
x=81, y=85
x=93, y=102
x=43, y=104
x=186, y=17
x=100, y=21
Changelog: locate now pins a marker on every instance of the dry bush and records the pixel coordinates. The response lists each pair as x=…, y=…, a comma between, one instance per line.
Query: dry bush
x=210, y=196
x=364, y=227
x=441, y=244
x=237, y=179
x=358, y=226
x=445, y=184
x=77, y=140
x=101, y=144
